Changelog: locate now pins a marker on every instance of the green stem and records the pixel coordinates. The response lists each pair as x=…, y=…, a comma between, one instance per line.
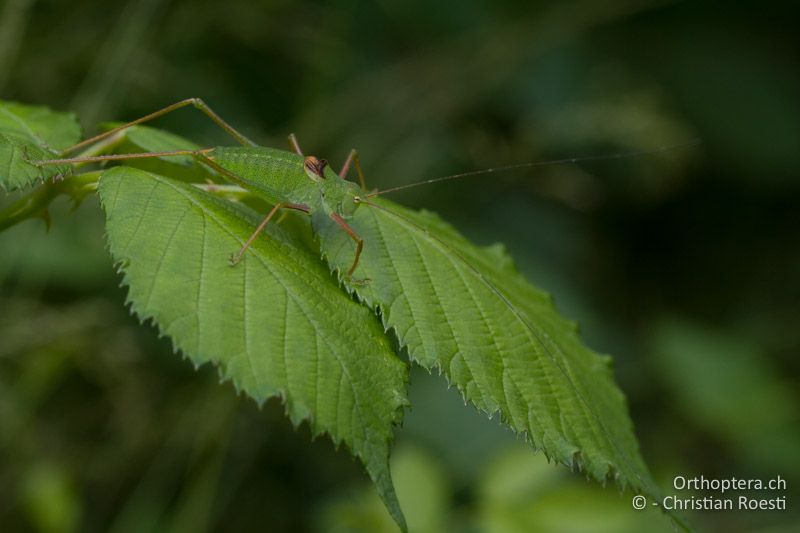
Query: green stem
x=36, y=202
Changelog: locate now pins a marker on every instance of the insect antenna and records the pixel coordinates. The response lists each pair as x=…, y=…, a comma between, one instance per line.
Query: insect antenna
x=563, y=161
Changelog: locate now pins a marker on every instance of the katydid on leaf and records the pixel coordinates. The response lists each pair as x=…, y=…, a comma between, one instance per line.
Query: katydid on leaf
x=456, y=307
x=287, y=180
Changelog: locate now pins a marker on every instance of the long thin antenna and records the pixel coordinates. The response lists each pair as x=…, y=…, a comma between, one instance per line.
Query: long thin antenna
x=565, y=161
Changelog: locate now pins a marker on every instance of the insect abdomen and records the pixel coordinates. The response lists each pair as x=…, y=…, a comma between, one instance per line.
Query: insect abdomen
x=278, y=174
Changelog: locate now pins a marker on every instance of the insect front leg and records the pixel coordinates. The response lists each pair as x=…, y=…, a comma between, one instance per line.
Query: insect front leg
x=352, y=158
x=294, y=144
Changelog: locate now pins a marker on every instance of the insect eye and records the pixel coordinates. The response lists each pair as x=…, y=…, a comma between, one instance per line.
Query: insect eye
x=315, y=166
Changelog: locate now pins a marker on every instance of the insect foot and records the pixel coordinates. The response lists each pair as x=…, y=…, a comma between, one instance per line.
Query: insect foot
x=27, y=159
x=234, y=259
x=360, y=282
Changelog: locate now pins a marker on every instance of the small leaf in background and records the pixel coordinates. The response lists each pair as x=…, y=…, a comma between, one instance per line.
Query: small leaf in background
x=51, y=499
x=71, y=253
x=461, y=437
x=466, y=311
x=521, y=493
x=276, y=324
x=422, y=487
x=33, y=133
x=725, y=385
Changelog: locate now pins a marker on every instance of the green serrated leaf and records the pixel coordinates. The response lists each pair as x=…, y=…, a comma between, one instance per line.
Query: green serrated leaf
x=33, y=133
x=466, y=311
x=276, y=324
x=48, y=129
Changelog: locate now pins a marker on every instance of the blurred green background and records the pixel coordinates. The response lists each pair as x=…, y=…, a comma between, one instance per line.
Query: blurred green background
x=683, y=264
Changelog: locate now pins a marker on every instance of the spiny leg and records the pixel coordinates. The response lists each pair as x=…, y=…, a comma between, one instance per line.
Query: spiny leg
x=235, y=258
x=353, y=235
x=118, y=157
x=352, y=158
x=196, y=102
x=199, y=155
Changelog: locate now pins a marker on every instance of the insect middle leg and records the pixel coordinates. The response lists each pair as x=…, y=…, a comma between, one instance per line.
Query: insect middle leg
x=196, y=102
x=235, y=258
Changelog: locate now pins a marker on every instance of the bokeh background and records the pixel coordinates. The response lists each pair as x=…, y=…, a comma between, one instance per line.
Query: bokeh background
x=682, y=264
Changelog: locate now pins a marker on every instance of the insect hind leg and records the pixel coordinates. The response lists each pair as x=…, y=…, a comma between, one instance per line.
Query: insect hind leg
x=118, y=157
x=197, y=103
